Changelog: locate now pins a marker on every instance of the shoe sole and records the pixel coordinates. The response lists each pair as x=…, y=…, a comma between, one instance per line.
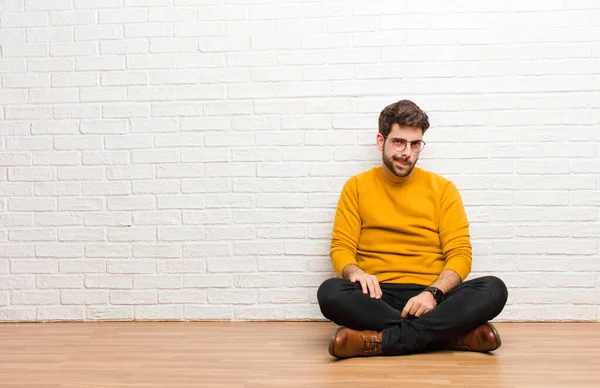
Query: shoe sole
x=496, y=334
x=331, y=341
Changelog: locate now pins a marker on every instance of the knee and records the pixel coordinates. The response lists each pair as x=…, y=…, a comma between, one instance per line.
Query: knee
x=496, y=290
x=328, y=291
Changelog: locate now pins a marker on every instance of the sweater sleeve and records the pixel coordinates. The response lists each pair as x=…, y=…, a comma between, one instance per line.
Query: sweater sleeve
x=454, y=232
x=346, y=228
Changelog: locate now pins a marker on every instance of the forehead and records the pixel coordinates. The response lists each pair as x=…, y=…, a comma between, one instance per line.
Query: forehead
x=408, y=133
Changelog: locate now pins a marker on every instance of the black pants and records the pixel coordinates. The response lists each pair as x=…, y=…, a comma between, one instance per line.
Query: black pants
x=465, y=307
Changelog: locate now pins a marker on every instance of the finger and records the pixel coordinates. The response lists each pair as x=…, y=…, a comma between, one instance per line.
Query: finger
x=415, y=307
x=422, y=311
x=371, y=284
x=378, y=292
x=406, y=309
x=363, y=284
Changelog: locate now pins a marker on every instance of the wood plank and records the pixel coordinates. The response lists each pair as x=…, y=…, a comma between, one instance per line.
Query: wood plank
x=280, y=354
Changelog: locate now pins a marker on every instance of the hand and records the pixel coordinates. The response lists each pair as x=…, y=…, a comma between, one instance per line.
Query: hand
x=369, y=283
x=419, y=305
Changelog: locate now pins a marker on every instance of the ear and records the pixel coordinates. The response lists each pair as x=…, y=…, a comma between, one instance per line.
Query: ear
x=380, y=141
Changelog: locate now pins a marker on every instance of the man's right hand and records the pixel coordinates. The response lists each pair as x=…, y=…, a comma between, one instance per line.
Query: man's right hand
x=369, y=283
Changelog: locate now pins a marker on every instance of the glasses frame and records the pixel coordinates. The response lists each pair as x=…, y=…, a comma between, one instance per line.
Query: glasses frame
x=405, y=144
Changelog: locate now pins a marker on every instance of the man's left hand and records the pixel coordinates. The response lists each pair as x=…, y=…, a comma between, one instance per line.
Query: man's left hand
x=419, y=305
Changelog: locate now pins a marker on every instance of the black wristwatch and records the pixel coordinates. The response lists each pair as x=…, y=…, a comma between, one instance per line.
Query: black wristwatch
x=438, y=295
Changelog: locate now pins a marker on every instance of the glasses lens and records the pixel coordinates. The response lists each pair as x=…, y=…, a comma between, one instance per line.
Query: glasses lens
x=417, y=146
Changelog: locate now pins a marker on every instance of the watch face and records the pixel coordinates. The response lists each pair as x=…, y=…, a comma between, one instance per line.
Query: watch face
x=437, y=294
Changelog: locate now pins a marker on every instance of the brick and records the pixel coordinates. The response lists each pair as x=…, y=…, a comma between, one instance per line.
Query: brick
x=182, y=296
x=176, y=109
x=105, y=157
x=59, y=281
x=29, y=143
x=32, y=235
x=59, y=313
x=131, y=202
x=208, y=249
x=27, y=174
x=23, y=19
x=16, y=189
x=103, y=94
x=280, y=296
x=195, y=266
x=122, y=16
x=218, y=296
x=126, y=110
x=109, y=281
x=57, y=189
x=81, y=234
x=129, y=142
x=18, y=314
x=104, y=127
x=20, y=266
x=71, y=79
x=157, y=282
x=156, y=187
x=131, y=266
x=159, y=313
x=133, y=297
x=79, y=49
x=15, y=159
x=173, y=45
x=96, y=33
x=160, y=251
x=80, y=204
x=81, y=173
x=109, y=313
x=148, y=30
x=82, y=266
x=110, y=219
x=83, y=297
x=28, y=113
x=81, y=111
x=58, y=219
x=208, y=281
x=71, y=18
x=12, y=66
x=123, y=78
x=130, y=172
x=282, y=264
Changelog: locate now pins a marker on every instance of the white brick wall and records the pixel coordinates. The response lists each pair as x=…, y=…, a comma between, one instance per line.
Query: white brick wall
x=182, y=159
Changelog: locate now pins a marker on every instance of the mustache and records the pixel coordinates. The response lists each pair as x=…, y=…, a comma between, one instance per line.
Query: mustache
x=405, y=160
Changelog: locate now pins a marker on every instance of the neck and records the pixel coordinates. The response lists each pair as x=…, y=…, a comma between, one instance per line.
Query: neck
x=395, y=179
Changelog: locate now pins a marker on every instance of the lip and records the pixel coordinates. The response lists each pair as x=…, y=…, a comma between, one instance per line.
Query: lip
x=401, y=163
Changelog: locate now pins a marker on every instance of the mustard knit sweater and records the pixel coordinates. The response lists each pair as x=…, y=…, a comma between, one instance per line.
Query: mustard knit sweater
x=402, y=233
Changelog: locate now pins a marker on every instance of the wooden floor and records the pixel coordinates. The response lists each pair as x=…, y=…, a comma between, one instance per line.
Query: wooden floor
x=278, y=354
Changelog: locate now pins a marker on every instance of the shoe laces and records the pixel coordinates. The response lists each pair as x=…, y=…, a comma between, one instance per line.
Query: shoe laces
x=457, y=343
x=371, y=344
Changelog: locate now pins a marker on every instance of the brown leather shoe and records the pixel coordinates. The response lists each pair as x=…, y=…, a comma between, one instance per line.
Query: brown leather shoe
x=347, y=343
x=484, y=338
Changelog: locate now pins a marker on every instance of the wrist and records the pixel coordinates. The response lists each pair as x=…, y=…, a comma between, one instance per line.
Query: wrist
x=437, y=294
x=350, y=270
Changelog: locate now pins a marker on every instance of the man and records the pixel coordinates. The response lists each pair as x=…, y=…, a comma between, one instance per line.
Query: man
x=402, y=246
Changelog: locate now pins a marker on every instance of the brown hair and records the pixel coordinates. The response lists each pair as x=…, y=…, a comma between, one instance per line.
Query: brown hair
x=405, y=113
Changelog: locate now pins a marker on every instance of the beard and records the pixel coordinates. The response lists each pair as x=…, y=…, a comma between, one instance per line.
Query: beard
x=399, y=171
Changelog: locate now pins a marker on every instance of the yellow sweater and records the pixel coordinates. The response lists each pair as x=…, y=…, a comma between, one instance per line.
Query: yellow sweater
x=402, y=233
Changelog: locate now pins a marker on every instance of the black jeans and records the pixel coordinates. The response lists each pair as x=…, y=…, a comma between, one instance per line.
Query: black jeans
x=465, y=307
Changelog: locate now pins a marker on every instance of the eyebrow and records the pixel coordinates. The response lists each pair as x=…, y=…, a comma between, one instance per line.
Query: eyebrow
x=408, y=141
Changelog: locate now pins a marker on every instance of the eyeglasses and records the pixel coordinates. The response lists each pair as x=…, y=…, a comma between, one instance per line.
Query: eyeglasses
x=400, y=144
